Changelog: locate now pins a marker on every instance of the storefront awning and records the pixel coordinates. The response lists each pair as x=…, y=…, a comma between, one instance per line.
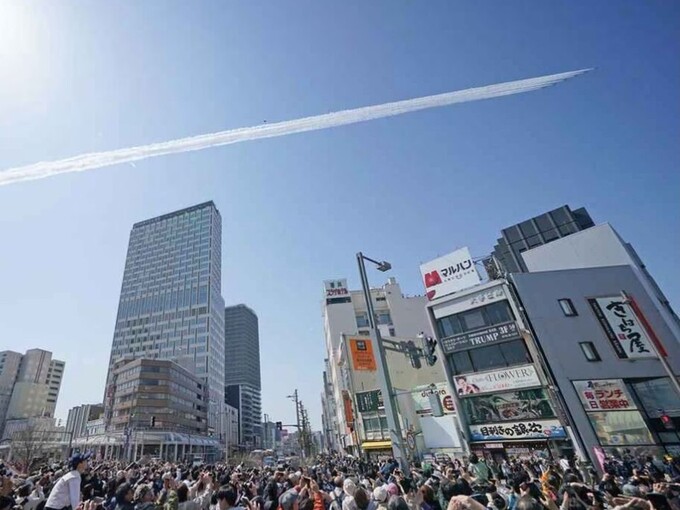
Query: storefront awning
x=376, y=445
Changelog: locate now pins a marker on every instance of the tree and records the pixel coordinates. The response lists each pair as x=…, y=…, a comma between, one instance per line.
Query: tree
x=30, y=444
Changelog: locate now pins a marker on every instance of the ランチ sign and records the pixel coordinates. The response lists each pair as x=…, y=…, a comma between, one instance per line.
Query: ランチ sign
x=539, y=429
x=449, y=274
x=604, y=395
x=622, y=327
x=524, y=376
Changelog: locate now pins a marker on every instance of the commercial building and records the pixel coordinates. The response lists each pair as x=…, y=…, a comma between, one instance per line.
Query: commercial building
x=495, y=375
x=171, y=307
x=79, y=416
x=602, y=357
x=231, y=427
x=158, y=408
x=29, y=386
x=353, y=415
x=537, y=231
x=242, y=371
x=557, y=353
x=618, y=393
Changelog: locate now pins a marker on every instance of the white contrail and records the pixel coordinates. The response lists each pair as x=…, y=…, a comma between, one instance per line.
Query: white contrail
x=94, y=160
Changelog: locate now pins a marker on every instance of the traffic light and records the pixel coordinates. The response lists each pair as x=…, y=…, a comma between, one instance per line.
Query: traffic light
x=429, y=349
x=667, y=422
x=413, y=354
x=153, y=421
x=279, y=425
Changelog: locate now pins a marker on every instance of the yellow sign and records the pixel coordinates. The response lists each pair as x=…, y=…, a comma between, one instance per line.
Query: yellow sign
x=362, y=354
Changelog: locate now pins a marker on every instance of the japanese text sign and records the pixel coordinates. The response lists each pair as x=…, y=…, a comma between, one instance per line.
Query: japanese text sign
x=622, y=327
x=604, y=395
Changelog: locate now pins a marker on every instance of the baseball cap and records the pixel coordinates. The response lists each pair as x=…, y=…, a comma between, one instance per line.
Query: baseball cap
x=78, y=458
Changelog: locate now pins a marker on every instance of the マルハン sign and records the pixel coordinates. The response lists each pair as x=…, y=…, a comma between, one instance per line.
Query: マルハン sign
x=449, y=274
x=626, y=334
x=492, y=335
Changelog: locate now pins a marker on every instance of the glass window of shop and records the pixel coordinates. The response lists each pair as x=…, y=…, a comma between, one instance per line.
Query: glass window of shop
x=501, y=355
x=620, y=428
x=482, y=317
x=657, y=394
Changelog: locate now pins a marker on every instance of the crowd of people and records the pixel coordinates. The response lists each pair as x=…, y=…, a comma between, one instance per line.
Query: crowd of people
x=333, y=482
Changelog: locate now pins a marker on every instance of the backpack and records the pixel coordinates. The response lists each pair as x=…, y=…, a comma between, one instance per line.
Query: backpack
x=336, y=504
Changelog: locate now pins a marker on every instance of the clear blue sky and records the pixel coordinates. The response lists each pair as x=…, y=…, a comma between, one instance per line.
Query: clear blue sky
x=86, y=76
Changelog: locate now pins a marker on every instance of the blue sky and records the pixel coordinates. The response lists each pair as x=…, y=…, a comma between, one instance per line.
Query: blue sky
x=86, y=76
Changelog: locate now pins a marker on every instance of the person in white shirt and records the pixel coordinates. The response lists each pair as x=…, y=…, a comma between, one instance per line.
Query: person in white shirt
x=66, y=492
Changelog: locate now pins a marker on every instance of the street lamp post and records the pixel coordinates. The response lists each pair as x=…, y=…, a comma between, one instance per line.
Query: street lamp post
x=383, y=373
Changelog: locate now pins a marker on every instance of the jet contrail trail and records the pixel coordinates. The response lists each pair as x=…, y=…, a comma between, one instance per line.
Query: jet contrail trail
x=94, y=160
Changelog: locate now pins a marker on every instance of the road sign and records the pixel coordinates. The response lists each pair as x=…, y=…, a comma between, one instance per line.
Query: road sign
x=369, y=401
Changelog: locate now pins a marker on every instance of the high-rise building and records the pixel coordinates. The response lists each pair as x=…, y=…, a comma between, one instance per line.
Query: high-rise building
x=29, y=385
x=542, y=229
x=242, y=370
x=76, y=423
x=171, y=304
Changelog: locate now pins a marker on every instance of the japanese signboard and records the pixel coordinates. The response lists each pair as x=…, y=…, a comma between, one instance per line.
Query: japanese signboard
x=463, y=303
x=449, y=274
x=421, y=398
x=369, y=401
x=524, y=376
x=604, y=395
x=347, y=406
x=362, y=354
x=622, y=327
x=492, y=335
x=540, y=429
x=336, y=288
x=517, y=405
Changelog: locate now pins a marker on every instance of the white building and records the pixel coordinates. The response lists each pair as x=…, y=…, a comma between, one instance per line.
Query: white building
x=399, y=318
x=79, y=416
x=231, y=426
x=34, y=379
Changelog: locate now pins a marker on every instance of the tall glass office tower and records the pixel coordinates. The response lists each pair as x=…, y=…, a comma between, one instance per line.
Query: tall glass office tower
x=242, y=371
x=171, y=304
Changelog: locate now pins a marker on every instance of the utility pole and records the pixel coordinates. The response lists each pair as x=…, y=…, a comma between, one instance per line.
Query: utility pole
x=383, y=373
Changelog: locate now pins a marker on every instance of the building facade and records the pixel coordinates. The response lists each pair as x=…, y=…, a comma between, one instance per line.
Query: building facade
x=601, y=353
x=506, y=407
x=158, y=394
x=231, y=427
x=242, y=379
x=171, y=305
x=29, y=385
x=537, y=231
x=353, y=415
x=79, y=416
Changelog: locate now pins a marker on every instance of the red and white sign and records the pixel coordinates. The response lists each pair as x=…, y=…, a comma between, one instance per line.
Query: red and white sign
x=449, y=274
x=421, y=398
x=604, y=395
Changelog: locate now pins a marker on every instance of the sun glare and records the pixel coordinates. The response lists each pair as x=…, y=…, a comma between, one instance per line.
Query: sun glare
x=18, y=38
